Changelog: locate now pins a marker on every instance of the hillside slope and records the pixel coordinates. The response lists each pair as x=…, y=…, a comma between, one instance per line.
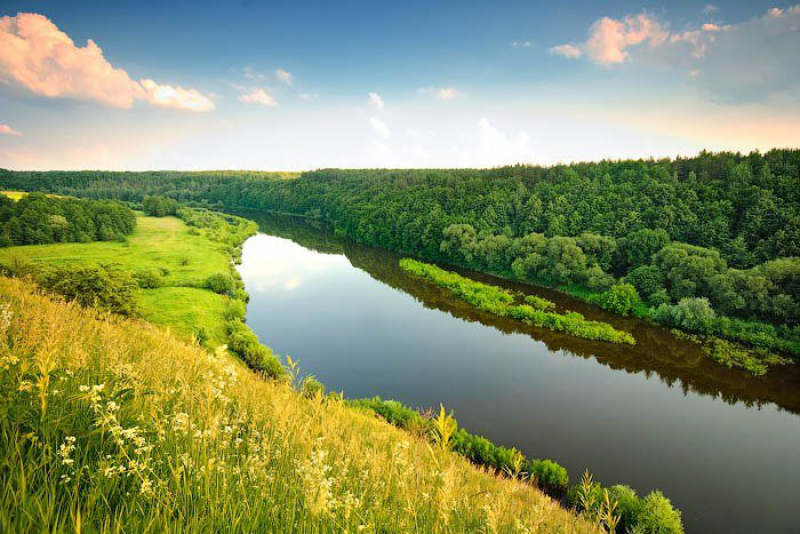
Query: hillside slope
x=113, y=424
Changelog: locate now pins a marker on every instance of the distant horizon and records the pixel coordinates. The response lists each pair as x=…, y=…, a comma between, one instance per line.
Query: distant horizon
x=499, y=166
x=309, y=85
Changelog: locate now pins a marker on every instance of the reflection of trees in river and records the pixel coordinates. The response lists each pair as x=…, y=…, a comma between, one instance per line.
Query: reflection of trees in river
x=676, y=362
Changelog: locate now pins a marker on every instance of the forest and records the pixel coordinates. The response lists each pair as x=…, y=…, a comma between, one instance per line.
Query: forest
x=37, y=219
x=710, y=244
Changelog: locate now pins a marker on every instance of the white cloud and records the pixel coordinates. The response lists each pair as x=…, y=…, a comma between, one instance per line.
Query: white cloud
x=308, y=96
x=285, y=76
x=767, y=45
x=380, y=128
x=167, y=96
x=710, y=8
x=8, y=130
x=442, y=93
x=498, y=146
x=609, y=39
x=523, y=44
x=567, y=50
x=258, y=96
x=35, y=54
x=375, y=101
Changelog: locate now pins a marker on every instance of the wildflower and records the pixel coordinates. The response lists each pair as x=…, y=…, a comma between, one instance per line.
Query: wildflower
x=65, y=451
x=316, y=483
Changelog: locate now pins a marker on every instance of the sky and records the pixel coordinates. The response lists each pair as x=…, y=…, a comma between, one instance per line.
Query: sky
x=298, y=85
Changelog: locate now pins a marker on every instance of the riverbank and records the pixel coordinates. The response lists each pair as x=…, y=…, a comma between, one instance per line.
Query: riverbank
x=119, y=425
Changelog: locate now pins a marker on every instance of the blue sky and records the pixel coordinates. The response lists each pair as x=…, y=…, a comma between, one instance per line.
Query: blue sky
x=286, y=85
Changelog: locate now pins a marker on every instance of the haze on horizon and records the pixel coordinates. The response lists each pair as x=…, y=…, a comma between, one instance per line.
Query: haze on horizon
x=302, y=85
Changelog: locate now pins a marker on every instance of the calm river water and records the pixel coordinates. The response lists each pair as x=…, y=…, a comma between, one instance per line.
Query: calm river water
x=723, y=445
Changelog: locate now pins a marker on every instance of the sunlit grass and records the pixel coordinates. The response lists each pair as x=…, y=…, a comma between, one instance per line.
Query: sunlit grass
x=165, y=244
x=111, y=424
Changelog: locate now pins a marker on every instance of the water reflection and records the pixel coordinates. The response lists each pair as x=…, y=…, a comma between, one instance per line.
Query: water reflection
x=676, y=362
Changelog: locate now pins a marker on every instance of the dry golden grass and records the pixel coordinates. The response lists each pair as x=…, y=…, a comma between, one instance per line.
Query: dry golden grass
x=111, y=424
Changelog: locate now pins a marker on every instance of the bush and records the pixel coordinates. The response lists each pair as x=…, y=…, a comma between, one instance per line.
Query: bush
x=629, y=505
x=221, y=283
x=245, y=344
x=394, y=412
x=160, y=206
x=658, y=516
x=621, y=298
x=109, y=288
x=691, y=313
x=539, y=303
x=550, y=476
x=149, y=279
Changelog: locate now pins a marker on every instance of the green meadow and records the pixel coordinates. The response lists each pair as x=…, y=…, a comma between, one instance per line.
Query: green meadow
x=185, y=255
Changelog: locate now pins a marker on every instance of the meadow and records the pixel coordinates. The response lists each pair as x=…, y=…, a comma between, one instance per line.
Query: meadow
x=112, y=424
x=183, y=256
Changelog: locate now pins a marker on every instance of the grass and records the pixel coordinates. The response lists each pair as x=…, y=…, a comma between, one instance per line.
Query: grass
x=157, y=242
x=187, y=255
x=115, y=425
x=187, y=311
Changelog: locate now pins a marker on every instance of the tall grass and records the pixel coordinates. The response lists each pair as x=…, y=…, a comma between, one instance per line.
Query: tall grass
x=113, y=425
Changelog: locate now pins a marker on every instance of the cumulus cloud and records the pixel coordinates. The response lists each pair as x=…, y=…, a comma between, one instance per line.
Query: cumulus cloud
x=284, y=76
x=37, y=55
x=765, y=51
x=609, y=39
x=8, y=130
x=499, y=145
x=442, y=93
x=380, y=128
x=167, y=96
x=375, y=101
x=258, y=95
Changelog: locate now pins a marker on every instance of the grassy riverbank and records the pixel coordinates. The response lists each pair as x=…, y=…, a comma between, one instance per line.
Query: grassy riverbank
x=113, y=424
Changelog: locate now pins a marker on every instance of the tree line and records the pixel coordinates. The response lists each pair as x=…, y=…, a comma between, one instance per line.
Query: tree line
x=37, y=219
x=722, y=227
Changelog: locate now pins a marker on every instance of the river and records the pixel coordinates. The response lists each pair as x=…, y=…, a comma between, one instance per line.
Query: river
x=724, y=446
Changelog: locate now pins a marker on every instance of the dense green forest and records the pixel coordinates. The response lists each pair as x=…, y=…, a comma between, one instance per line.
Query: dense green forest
x=710, y=243
x=37, y=219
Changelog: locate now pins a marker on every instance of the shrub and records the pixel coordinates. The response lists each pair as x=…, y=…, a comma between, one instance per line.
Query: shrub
x=621, y=298
x=658, y=516
x=628, y=505
x=245, y=344
x=550, y=476
x=160, y=206
x=539, y=303
x=394, y=412
x=149, y=279
x=221, y=283
x=109, y=288
x=691, y=313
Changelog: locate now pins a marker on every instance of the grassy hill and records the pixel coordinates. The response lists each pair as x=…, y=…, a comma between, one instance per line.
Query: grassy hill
x=113, y=424
x=185, y=257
